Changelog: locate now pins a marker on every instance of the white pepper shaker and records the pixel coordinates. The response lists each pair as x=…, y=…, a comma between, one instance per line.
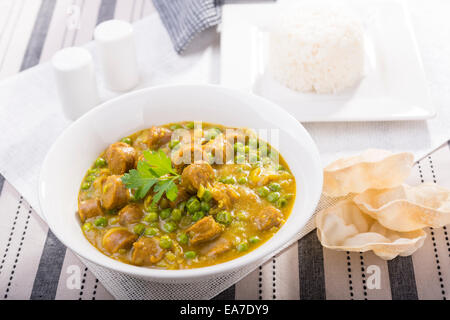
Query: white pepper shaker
x=75, y=80
x=117, y=52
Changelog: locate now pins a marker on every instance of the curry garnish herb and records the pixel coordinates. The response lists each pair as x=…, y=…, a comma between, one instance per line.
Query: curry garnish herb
x=155, y=171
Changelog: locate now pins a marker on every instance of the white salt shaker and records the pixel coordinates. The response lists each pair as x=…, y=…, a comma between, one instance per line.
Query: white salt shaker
x=75, y=80
x=117, y=53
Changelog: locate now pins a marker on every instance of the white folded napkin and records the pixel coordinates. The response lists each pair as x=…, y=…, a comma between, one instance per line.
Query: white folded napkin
x=31, y=120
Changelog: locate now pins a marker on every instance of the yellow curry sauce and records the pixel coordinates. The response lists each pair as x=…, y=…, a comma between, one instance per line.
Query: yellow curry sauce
x=224, y=206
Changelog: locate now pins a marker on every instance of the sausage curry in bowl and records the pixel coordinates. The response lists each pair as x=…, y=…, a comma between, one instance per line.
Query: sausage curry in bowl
x=185, y=195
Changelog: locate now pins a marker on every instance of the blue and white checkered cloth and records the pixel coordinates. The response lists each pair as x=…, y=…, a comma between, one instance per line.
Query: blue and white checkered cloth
x=184, y=19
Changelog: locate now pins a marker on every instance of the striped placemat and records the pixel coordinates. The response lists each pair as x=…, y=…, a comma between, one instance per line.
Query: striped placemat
x=35, y=265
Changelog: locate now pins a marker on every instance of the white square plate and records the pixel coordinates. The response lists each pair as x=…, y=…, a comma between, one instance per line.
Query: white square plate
x=393, y=88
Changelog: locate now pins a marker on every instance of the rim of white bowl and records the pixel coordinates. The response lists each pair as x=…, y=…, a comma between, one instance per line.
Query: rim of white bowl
x=227, y=267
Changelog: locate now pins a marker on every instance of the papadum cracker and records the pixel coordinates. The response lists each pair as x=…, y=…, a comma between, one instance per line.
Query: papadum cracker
x=377, y=169
x=345, y=227
x=405, y=208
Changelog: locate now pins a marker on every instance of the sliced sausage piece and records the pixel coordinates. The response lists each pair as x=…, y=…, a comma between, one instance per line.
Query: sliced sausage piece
x=98, y=185
x=216, y=247
x=114, y=193
x=120, y=157
x=204, y=230
x=146, y=252
x=224, y=194
x=118, y=238
x=268, y=218
x=153, y=138
x=89, y=208
x=129, y=214
x=197, y=174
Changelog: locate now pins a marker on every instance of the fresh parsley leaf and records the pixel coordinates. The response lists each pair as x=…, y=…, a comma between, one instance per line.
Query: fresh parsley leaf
x=168, y=187
x=160, y=162
x=140, y=180
x=155, y=171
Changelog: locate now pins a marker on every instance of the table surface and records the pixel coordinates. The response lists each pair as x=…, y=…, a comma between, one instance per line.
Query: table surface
x=35, y=265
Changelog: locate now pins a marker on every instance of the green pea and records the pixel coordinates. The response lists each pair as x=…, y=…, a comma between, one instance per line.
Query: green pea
x=90, y=178
x=100, y=162
x=224, y=217
x=240, y=159
x=185, y=221
x=253, y=142
x=263, y=148
x=169, y=226
x=207, y=196
x=273, y=196
x=182, y=206
x=154, y=224
x=198, y=215
x=164, y=203
x=275, y=186
x=173, y=143
x=263, y=192
x=204, y=206
x=189, y=125
x=193, y=205
x=151, y=231
x=228, y=180
x=243, y=246
x=176, y=215
x=85, y=185
x=254, y=239
x=282, y=202
x=170, y=256
x=190, y=254
x=239, y=147
x=182, y=238
x=165, y=242
x=175, y=126
x=253, y=158
x=165, y=213
x=139, y=228
x=151, y=217
x=93, y=171
x=101, y=222
x=126, y=140
x=87, y=226
x=242, y=180
x=212, y=133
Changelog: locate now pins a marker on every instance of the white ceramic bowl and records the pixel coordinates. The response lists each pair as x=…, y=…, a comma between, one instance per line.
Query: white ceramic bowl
x=81, y=143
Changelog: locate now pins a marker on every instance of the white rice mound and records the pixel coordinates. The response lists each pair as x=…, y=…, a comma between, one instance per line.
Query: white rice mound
x=317, y=50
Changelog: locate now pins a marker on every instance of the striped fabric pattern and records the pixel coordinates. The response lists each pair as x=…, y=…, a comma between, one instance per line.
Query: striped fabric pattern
x=35, y=265
x=184, y=19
